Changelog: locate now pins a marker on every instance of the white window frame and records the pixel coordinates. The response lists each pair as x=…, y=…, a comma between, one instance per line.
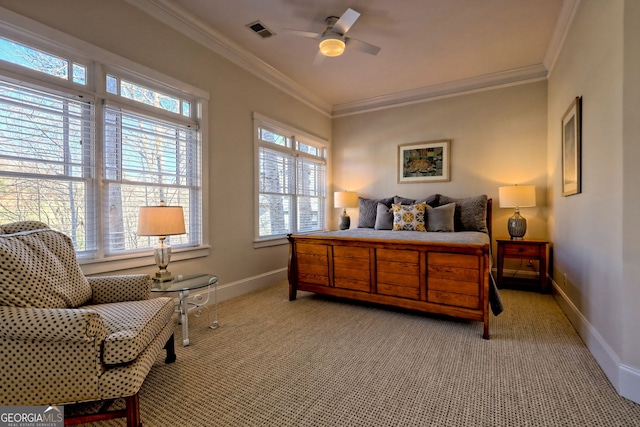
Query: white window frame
x=296, y=135
x=98, y=62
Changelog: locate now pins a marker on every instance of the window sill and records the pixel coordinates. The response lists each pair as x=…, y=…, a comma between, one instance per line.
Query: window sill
x=137, y=260
x=277, y=241
x=271, y=242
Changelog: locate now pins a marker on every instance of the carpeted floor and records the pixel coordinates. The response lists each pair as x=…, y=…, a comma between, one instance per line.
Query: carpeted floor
x=324, y=362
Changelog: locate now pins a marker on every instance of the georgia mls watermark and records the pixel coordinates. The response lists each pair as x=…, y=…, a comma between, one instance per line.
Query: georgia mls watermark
x=31, y=416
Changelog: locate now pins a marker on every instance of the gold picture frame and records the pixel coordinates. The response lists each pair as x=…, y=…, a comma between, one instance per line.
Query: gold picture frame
x=427, y=161
x=572, y=149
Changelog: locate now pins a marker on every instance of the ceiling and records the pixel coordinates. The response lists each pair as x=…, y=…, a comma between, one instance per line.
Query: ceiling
x=429, y=48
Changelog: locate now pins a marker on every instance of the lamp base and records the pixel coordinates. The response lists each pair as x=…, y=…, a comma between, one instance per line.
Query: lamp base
x=517, y=226
x=345, y=221
x=163, y=276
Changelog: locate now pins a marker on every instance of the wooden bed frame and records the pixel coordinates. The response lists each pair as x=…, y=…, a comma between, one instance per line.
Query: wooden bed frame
x=440, y=278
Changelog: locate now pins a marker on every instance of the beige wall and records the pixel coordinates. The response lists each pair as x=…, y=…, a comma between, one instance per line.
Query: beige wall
x=593, y=232
x=498, y=138
x=502, y=136
x=631, y=189
x=124, y=30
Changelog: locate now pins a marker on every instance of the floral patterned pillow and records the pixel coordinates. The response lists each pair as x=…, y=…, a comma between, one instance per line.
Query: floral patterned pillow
x=409, y=217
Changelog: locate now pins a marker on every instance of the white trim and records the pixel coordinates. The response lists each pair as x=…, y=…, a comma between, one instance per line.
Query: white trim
x=137, y=260
x=265, y=243
x=445, y=90
x=244, y=286
x=625, y=379
x=630, y=383
x=268, y=122
x=567, y=13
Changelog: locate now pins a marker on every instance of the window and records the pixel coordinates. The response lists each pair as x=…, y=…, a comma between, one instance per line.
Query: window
x=42, y=62
x=291, y=181
x=47, y=169
x=147, y=160
x=84, y=160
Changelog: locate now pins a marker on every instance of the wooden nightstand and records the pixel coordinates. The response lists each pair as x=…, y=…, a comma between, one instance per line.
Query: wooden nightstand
x=524, y=249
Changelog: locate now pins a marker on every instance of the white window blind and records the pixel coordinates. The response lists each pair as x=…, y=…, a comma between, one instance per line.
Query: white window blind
x=147, y=160
x=291, y=182
x=276, y=192
x=47, y=170
x=311, y=184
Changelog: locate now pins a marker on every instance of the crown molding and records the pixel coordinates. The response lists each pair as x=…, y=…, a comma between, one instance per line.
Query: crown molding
x=170, y=14
x=192, y=27
x=567, y=13
x=444, y=90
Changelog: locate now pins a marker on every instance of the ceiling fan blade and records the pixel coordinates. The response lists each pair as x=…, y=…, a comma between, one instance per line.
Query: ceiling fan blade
x=346, y=21
x=307, y=34
x=319, y=58
x=361, y=46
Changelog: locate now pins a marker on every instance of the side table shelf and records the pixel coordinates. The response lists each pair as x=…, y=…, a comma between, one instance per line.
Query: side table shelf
x=535, y=250
x=183, y=284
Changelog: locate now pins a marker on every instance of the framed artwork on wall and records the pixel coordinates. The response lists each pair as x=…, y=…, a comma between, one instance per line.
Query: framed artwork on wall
x=424, y=161
x=572, y=148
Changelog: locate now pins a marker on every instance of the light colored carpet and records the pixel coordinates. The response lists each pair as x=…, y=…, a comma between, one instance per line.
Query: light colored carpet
x=325, y=362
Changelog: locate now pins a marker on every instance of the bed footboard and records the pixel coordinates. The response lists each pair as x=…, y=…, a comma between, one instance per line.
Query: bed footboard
x=446, y=279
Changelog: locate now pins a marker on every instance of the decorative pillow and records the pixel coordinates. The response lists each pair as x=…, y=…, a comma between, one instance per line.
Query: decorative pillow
x=369, y=209
x=471, y=213
x=409, y=217
x=384, y=218
x=441, y=218
x=39, y=269
x=431, y=200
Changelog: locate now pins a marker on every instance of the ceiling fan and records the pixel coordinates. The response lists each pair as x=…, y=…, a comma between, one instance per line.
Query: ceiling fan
x=333, y=41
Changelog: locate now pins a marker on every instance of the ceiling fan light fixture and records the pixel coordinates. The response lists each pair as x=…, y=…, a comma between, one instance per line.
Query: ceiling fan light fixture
x=332, y=46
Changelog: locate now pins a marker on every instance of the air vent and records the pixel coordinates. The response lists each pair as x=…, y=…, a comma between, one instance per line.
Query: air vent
x=259, y=28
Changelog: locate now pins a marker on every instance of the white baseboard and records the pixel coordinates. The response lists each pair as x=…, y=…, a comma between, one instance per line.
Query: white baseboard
x=240, y=287
x=625, y=379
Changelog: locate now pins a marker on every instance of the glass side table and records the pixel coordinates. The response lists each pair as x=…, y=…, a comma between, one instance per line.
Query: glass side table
x=183, y=284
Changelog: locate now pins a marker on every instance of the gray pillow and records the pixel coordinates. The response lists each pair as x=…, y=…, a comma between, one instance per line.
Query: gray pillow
x=430, y=200
x=441, y=218
x=368, y=208
x=384, y=217
x=471, y=213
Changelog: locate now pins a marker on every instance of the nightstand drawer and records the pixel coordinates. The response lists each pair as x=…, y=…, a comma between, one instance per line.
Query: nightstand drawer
x=521, y=250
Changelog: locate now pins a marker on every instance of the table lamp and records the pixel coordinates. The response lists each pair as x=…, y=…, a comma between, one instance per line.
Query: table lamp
x=517, y=196
x=345, y=199
x=161, y=221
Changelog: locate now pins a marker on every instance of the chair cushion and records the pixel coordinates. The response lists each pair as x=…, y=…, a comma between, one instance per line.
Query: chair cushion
x=39, y=269
x=131, y=326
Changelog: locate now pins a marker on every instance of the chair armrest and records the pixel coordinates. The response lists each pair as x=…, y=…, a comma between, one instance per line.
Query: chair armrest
x=131, y=287
x=50, y=324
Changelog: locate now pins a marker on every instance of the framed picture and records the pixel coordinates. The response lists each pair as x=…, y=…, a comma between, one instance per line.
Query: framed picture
x=424, y=161
x=571, y=149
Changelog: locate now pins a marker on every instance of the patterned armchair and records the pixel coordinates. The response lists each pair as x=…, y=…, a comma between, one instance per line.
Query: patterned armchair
x=67, y=338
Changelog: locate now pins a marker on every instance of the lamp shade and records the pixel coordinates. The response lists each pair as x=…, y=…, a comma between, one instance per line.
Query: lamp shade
x=345, y=199
x=517, y=196
x=161, y=221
